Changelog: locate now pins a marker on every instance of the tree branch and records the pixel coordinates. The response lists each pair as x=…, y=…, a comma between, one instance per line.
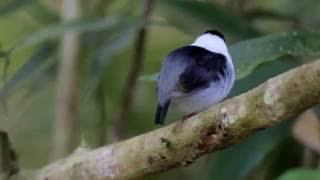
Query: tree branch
x=67, y=90
x=182, y=142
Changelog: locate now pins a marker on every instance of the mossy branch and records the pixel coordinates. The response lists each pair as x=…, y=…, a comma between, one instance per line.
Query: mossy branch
x=182, y=142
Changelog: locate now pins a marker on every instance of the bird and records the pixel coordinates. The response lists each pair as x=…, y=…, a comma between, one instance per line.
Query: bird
x=195, y=77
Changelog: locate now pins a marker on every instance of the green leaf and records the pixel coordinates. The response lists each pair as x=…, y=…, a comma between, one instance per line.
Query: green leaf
x=13, y=5
x=48, y=16
x=300, y=174
x=111, y=47
x=195, y=17
x=238, y=161
x=269, y=14
x=247, y=55
x=263, y=73
x=41, y=80
x=28, y=71
x=108, y=48
x=57, y=30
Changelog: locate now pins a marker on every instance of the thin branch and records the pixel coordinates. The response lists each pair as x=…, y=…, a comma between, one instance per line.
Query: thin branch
x=8, y=158
x=6, y=57
x=182, y=142
x=101, y=107
x=309, y=158
x=134, y=72
x=3, y=101
x=101, y=7
x=67, y=89
x=306, y=131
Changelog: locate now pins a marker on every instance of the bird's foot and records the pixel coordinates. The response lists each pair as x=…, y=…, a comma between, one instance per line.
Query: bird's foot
x=189, y=116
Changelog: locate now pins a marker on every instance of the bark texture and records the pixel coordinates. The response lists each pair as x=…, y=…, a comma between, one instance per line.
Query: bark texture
x=182, y=142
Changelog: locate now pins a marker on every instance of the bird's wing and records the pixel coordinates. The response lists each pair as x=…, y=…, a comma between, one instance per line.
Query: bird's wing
x=187, y=70
x=173, y=66
x=206, y=67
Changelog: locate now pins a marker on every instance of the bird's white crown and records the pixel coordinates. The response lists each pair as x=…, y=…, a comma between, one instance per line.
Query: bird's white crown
x=211, y=42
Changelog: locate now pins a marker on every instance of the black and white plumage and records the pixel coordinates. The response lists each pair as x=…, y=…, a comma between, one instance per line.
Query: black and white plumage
x=195, y=77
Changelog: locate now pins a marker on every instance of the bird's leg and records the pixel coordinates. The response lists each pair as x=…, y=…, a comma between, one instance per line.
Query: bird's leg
x=189, y=116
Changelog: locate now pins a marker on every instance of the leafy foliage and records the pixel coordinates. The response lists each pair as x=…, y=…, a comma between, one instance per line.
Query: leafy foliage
x=27, y=72
x=56, y=30
x=243, y=158
x=249, y=54
x=193, y=16
x=13, y=5
x=109, y=48
x=108, y=28
x=298, y=174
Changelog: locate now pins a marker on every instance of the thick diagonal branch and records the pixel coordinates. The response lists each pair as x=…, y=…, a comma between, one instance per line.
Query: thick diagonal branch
x=182, y=142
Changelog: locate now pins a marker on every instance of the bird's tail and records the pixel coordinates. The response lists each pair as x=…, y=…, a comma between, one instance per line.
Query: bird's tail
x=161, y=112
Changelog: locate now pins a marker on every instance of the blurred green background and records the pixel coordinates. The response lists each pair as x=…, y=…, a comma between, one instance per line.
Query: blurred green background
x=265, y=39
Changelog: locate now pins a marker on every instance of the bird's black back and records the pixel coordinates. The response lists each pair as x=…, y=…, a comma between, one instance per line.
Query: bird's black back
x=203, y=68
